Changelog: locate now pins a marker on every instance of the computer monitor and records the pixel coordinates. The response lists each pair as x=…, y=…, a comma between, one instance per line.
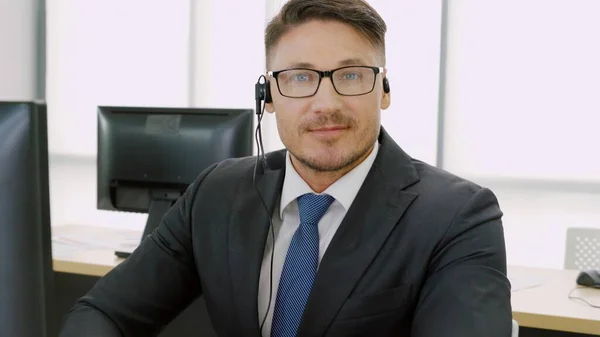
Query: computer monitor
x=25, y=240
x=147, y=157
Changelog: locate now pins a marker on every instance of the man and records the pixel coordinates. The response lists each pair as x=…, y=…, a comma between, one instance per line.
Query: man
x=367, y=241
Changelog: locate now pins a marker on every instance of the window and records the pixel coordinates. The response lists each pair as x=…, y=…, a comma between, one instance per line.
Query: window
x=521, y=115
x=111, y=53
x=521, y=89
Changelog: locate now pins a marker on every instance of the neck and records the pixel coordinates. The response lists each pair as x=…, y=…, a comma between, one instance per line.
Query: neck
x=319, y=181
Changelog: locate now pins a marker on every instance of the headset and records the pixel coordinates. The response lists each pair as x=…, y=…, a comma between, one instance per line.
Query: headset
x=386, y=85
x=262, y=96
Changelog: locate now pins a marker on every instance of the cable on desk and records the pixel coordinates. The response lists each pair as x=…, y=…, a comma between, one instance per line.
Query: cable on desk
x=581, y=298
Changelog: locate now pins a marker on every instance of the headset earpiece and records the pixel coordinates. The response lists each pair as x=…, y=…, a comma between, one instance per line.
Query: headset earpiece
x=262, y=90
x=386, y=85
x=267, y=90
x=262, y=93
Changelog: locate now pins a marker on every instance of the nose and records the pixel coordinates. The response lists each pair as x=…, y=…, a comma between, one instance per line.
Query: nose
x=326, y=99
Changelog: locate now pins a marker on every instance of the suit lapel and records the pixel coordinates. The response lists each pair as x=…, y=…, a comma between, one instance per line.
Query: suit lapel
x=247, y=236
x=373, y=215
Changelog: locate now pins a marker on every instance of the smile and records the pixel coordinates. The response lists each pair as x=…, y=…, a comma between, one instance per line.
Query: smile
x=329, y=131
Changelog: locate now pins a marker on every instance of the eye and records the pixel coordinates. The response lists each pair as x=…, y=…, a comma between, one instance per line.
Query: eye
x=300, y=77
x=351, y=76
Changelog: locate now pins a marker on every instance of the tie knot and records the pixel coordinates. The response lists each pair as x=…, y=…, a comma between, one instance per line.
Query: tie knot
x=312, y=207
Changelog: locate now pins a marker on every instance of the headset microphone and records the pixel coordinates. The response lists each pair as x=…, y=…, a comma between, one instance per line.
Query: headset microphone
x=262, y=93
x=259, y=94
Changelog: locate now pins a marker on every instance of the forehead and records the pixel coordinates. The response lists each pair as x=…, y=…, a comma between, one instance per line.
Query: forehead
x=323, y=45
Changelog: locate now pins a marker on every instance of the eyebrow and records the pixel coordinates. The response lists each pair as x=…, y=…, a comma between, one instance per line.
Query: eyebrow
x=352, y=62
x=346, y=62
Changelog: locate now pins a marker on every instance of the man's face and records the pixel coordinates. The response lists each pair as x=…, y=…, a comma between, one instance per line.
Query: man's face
x=327, y=131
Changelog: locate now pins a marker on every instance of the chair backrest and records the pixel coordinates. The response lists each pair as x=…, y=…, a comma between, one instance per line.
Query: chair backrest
x=582, y=249
x=515, y=329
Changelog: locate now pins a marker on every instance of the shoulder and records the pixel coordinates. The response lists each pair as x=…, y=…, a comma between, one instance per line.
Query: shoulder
x=218, y=185
x=450, y=209
x=447, y=197
x=435, y=188
x=436, y=181
x=227, y=174
x=236, y=174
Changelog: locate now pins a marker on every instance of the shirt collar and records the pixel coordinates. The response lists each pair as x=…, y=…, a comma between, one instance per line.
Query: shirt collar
x=344, y=190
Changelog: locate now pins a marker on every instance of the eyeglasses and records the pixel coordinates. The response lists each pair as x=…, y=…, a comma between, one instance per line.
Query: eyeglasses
x=347, y=81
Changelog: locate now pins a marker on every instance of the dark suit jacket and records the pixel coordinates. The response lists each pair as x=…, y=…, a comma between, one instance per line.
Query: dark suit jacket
x=420, y=253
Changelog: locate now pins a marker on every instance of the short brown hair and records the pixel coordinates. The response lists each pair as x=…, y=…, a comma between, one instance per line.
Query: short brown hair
x=356, y=13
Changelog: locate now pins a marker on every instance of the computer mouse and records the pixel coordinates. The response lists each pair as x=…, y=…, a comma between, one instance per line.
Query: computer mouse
x=589, y=278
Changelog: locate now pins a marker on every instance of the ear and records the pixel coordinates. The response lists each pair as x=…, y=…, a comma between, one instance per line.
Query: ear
x=386, y=100
x=270, y=107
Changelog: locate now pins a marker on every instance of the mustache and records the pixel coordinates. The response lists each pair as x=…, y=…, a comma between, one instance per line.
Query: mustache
x=327, y=120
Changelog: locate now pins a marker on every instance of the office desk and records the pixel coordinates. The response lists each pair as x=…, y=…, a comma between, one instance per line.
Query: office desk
x=546, y=306
x=80, y=260
x=78, y=267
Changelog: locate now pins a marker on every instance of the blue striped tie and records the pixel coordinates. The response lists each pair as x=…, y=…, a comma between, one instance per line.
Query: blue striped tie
x=300, y=266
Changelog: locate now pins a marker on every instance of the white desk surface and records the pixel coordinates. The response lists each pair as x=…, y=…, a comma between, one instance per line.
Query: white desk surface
x=87, y=250
x=545, y=306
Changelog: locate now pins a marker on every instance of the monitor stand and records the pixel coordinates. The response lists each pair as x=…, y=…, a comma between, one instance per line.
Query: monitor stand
x=158, y=208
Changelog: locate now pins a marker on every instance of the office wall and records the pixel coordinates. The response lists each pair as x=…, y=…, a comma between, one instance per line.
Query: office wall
x=227, y=52
x=521, y=115
x=18, y=50
x=110, y=52
x=413, y=62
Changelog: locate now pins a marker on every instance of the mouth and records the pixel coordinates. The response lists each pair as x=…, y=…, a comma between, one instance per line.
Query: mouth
x=329, y=128
x=329, y=131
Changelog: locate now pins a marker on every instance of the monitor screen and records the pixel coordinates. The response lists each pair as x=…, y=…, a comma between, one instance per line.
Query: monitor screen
x=25, y=243
x=147, y=157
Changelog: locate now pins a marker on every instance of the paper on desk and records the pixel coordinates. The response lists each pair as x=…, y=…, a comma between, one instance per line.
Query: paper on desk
x=64, y=245
x=128, y=245
x=522, y=283
x=61, y=250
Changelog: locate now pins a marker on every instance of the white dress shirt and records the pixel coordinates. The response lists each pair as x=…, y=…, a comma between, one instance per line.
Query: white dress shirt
x=286, y=220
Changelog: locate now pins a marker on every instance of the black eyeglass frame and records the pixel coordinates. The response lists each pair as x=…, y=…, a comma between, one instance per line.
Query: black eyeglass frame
x=326, y=73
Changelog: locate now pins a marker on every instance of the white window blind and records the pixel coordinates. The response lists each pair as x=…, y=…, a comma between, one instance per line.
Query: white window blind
x=111, y=52
x=522, y=83
x=521, y=115
x=413, y=62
